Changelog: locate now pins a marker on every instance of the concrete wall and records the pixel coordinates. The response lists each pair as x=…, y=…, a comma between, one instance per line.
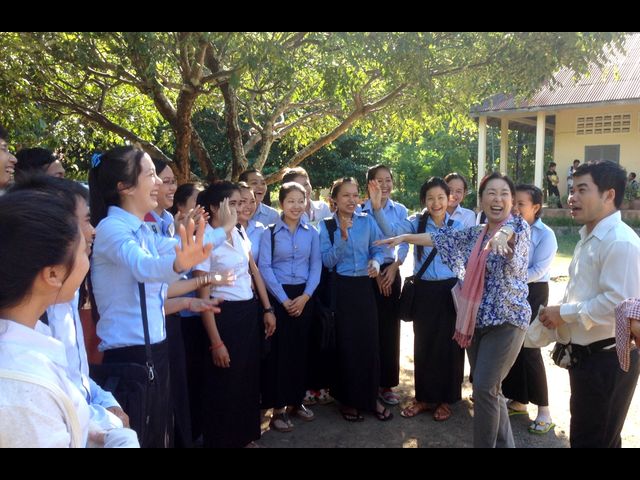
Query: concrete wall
x=569, y=146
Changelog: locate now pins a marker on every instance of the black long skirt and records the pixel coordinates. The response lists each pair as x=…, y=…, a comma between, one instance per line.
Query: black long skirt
x=284, y=370
x=527, y=379
x=232, y=395
x=179, y=414
x=196, y=348
x=389, y=332
x=357, y=345
x=438, y=359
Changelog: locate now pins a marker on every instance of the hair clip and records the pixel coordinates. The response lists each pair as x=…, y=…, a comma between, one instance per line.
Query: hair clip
x=96, y=159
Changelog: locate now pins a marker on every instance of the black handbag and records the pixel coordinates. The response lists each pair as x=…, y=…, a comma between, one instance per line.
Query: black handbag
x=408, y=293
x=323, y=326
x=131, y=383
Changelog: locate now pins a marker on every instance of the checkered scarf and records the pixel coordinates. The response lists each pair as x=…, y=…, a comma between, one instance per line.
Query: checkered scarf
x=626, y=311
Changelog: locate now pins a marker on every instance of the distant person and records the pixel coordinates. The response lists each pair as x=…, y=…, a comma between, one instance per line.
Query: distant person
x=632, y=186
x=458, y=188
x=264, y=214
x=605, y=270
x=39, y=159
x=570, y=172
x=552, y=184
x=7, y=161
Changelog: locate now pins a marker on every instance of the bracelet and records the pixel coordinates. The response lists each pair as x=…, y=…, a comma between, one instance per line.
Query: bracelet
x=216, y=347
x=268, y=310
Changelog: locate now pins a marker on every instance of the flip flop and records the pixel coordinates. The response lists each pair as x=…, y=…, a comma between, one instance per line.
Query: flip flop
x=415, y=408
x=513, y=412
x=352, y=417
x=384, y=415
x=442, y=413
x=541, y=427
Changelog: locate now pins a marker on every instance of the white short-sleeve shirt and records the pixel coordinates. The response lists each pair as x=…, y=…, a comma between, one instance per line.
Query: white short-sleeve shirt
x=230, y=257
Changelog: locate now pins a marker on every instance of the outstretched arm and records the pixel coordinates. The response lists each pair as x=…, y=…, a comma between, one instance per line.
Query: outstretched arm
x=423, y=239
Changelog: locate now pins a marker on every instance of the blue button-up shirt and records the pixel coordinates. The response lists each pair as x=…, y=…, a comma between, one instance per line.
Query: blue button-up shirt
x=437, y=270
x=465, y=216
x=126, y=252
x=541, y=253
x=296, y=258
x=265, y=214
x=161, y=224
x=351, y=257
x=254, y=231
x=394, y=212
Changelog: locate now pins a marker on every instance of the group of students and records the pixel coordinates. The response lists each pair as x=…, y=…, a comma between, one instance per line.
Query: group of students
x=229, y=290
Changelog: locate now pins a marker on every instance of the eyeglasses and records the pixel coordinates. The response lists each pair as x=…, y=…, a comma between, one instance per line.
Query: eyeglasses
x=171, y=181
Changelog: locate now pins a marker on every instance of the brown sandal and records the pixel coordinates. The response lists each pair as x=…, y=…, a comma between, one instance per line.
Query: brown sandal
x=442, y=413
x=415, y=408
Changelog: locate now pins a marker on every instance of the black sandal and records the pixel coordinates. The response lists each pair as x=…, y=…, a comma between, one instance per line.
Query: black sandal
x=384, y=415
x=352, y=417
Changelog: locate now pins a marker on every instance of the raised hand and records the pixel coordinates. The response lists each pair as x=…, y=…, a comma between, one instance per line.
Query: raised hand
x=191, y=250
x=375, y=194
x=345, y=225
x=227, y=216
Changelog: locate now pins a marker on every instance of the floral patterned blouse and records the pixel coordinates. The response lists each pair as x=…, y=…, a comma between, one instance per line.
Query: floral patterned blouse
x=505, y=285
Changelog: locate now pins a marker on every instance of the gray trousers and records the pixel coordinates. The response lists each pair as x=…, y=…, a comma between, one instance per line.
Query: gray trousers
x=492, y=354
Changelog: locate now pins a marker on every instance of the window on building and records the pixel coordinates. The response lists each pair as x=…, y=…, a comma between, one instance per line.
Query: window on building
x=603, y=124
x=602, y=152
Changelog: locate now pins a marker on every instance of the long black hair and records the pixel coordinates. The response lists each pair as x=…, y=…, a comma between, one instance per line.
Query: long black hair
x=215, y=193
x=118, y=165
x=31, y=242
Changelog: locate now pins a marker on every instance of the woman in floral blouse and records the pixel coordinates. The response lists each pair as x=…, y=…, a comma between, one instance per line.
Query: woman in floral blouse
x=502, y=308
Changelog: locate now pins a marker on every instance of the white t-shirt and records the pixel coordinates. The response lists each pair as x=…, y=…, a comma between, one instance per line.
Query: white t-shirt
x=228, y=257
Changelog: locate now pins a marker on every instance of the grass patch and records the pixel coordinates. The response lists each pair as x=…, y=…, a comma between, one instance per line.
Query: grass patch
x=566, y=244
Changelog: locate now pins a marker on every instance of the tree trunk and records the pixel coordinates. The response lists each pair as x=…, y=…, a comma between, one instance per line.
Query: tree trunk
x=184, y=132
x=234, y=134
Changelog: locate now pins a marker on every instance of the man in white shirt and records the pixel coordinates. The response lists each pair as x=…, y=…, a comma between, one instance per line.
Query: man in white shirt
x=604, y=271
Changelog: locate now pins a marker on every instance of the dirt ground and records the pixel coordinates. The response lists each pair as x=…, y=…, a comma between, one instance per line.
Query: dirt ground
x=330, y=430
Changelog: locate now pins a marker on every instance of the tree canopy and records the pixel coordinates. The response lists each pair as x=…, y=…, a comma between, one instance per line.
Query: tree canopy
x=291, y=93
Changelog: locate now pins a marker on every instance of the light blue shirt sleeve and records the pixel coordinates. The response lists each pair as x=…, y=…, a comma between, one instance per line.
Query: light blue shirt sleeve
x=315, y=264
x=376, y=252
x=102, y=397
x=542, y=252
x=266, y=269
x=331, y=254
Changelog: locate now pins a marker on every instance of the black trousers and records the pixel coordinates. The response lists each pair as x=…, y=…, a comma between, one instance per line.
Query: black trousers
x=554, y=191
x=157, y=431
x=600, y=397
x=527, y=379
x=179, y=414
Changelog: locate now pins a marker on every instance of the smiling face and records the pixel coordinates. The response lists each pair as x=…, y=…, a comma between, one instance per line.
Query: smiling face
x=436, y=203
x=78, y=271
x=497, y=201
x=456, y=193
x=248, y=205
x=383, y=177
x=256, y=182
x=525, y=207
x=55, y=169
x=294, y=205
x=142, y=198
x=347, y=199
x=167, y=189
x=589, y=206
x=7, y=164
x=84, y=220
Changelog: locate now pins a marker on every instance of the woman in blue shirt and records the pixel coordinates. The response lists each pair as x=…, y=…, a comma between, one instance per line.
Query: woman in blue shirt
x=353, y=256
x=290, y=264
x=246, y=210
x=503, y=314
x=386, y=287
x=438, y=359
x=527, y=380
x=124, y=188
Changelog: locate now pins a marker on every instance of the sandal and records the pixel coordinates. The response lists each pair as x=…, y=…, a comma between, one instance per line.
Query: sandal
x=388, y=396
x=323, y=397
x=540, y=427
x=414, y=408
x=349, y=416
x=281, y=422
x=309, y=398
x=302, y=412
x=384, y=415
x=442, y=413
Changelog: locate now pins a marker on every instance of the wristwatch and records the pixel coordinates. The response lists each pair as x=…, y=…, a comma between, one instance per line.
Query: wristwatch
x=268, y=310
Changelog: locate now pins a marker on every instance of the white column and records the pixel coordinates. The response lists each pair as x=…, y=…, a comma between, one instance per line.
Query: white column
x=504, y=145
x=482, y=147
x=539, y=149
